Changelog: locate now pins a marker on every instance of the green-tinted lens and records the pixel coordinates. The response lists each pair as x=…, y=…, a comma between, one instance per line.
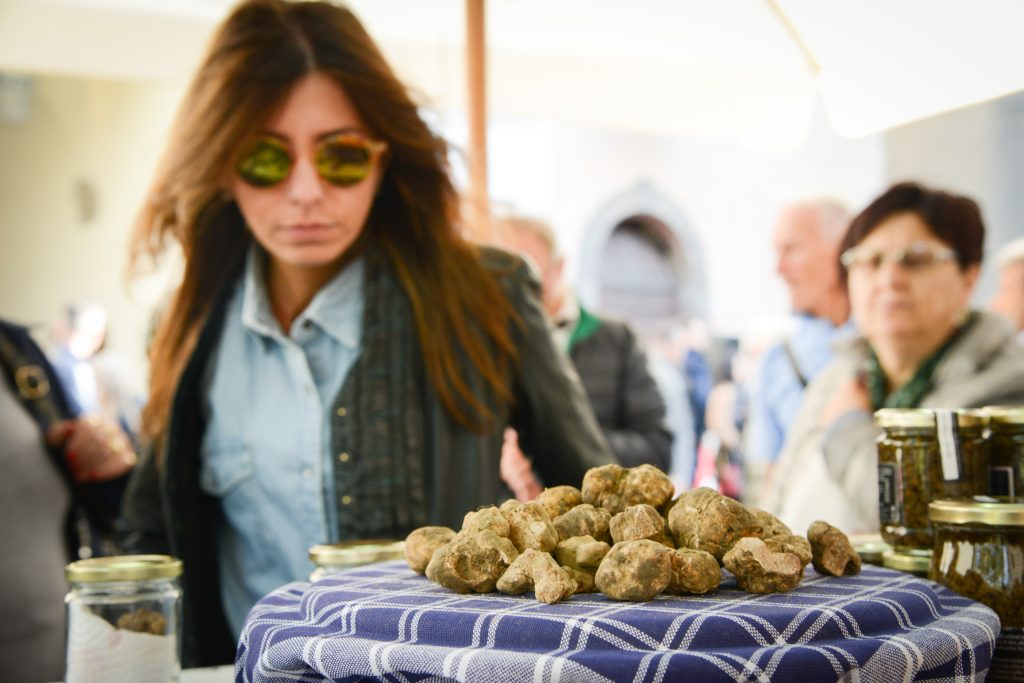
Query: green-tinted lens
x=344, y=161
x=267, y=163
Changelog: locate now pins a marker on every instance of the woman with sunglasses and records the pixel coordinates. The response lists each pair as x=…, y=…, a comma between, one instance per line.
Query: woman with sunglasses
x=911, y=259
x=339, y=362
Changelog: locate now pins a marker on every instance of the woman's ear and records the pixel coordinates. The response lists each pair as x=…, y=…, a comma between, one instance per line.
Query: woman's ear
x=970, y=275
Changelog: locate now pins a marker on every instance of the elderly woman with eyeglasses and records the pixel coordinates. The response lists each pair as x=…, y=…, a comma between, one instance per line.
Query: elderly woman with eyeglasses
x=911, y=260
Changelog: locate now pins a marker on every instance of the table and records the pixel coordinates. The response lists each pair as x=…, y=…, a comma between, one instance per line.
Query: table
x=385, y=622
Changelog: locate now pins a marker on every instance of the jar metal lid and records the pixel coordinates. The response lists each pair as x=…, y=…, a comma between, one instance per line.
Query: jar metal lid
x=123, y=568
x=1008, y=415
x=352, y=553
x=905, y=562
x=925, y=417
x=870, y=547
x=905, y=417
x=992, y=513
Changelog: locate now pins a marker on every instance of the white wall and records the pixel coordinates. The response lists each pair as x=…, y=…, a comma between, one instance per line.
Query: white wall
x=71, y=180
x=977, y=151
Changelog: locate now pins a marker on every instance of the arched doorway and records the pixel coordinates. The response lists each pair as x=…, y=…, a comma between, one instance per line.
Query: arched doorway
x=637, y=278
x=641, y=262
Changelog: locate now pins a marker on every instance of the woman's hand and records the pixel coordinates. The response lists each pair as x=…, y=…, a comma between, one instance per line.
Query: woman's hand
x=516, y=470
x=851, y=395
x=94, y=448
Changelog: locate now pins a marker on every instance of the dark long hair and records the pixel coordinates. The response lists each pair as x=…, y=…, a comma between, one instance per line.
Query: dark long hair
x=262, y=49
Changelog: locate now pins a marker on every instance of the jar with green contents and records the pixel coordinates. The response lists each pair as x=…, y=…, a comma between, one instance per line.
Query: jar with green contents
x=1006, y=438
x=338, y=557
x=979, y=553
x=924, y=455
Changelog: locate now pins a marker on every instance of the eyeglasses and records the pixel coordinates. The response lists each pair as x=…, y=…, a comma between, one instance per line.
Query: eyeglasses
x=919, y=256
x=343, y=159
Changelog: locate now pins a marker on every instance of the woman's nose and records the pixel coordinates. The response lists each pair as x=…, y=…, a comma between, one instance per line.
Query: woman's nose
x=304, y=183
x=892, y=273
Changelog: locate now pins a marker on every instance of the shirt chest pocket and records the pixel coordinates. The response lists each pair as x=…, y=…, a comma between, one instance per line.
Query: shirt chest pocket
x=228, y=474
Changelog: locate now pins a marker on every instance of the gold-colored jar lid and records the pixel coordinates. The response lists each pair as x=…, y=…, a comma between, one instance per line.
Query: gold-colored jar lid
x=991, y=513
x=971, y=417
x=924, y=418
x=906, y=562
x=123, y=568
x=905, y=417
x=354, y=553
x=870, y=547
x=1005, y=415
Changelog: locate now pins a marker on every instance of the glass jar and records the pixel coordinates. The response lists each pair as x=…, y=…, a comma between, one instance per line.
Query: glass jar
x=870, y=547
x=338, y=557
x=123, y=619
x=1006, y=439
x=979, y=553
x=915, y=563
x=919, y=462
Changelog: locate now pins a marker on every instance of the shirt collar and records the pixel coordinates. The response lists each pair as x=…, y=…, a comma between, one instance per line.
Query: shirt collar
x=336, y=308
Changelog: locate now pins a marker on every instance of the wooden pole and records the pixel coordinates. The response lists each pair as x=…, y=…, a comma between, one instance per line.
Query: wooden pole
x=477, y=202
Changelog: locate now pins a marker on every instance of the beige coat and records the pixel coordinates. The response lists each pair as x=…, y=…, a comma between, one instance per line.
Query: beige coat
x=831, y=472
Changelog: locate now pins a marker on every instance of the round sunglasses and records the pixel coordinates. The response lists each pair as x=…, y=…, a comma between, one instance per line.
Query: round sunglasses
x=343, y=159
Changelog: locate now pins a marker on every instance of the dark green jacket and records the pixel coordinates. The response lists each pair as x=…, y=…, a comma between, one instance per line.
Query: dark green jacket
x=410, y=464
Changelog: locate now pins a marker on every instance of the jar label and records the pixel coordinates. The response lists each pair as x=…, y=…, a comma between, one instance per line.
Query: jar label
x=888, y=504
x=949, y=444
x=1000, y=481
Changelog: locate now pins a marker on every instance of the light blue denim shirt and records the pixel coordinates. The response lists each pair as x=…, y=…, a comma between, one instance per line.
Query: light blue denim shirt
x=266, y=450
x=779, y=393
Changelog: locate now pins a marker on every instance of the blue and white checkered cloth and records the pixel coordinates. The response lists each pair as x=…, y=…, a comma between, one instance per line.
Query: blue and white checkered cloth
x=384, y=622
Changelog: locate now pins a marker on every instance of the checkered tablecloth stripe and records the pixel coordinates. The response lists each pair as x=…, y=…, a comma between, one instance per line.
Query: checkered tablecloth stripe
x=384, y=622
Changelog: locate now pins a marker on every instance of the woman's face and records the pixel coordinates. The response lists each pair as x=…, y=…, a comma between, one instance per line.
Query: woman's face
x=305, y=221
x=917, y=301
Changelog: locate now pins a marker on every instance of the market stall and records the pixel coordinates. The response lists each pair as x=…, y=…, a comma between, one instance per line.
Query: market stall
x=386, y=622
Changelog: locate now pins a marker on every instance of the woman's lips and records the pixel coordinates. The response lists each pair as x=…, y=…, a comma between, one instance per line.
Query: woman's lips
x=306, y=231
x=895, y=305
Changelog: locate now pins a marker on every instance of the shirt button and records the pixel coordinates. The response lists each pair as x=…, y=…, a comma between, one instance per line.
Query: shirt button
x=342, y=412
x=307, y=472
x=346, y=500
x=344, y=457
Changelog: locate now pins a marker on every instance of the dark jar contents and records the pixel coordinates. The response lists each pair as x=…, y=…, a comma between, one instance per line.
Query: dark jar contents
x=912, y=472
x=979, y=553
x=123, y=619
x=1006, y=439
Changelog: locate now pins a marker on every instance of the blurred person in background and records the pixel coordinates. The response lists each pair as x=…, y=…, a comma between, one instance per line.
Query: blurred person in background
x=338, y=363
x=720, y=456
x=699, y=378
x=1008, y=300
x=606, y=354
x=79, y=336
x=911, y=260
x=806, y=241
x=668, y=346
x=95, y=375
x=61, y=481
